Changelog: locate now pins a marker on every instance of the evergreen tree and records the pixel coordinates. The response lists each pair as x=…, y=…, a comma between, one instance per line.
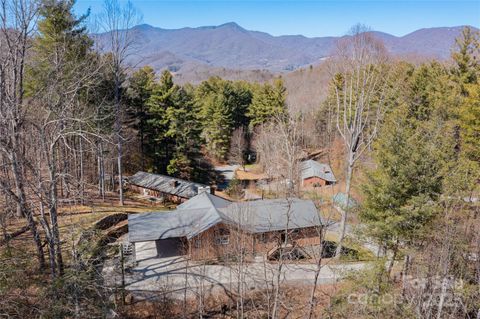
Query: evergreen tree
x=470, y=123
x=268, y=100
x=59, y=49
x=184, y=128
x=222, y=109
x=139, y=91
x=160, y=103
x=466, y=55
x=406, y=181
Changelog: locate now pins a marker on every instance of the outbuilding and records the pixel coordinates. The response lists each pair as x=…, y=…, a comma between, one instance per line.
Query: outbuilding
x=169, y=188
x=315, y=174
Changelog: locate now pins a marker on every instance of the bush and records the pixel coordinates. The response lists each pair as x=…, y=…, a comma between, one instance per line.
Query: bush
x=235, y=189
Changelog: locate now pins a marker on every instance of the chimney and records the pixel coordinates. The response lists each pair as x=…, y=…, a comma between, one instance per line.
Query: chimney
x=174, y=183
x=205, y=189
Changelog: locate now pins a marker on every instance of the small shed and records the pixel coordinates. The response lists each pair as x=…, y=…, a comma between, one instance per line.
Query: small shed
x=315, y=174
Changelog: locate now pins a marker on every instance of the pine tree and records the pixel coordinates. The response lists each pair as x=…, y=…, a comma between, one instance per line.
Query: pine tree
x=160, y=103
x=470, y=123
x=400, y=191
x=216, y=99
x=268, y=100
x=139, y=91
x=60, y=47
x=466, y=55
x=184, y=128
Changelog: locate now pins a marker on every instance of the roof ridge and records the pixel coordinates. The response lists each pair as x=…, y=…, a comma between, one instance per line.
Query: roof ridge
x=209, y=199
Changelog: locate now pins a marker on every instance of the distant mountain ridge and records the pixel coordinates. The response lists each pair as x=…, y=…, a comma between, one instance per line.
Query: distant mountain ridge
x=232, y=47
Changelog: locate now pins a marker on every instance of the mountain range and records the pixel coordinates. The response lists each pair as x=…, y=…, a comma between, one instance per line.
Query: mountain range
x=232, y=47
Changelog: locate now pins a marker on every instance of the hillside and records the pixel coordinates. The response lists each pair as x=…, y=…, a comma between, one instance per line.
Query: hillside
x=208, y=50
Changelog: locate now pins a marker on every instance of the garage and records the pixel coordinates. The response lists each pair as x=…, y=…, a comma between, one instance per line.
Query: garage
x=170, y=247
x=161, y=248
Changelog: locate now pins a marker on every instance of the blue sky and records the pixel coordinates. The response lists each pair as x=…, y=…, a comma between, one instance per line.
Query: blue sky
x=310, y=18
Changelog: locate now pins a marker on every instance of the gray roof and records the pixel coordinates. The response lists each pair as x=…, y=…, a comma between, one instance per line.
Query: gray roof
x=162, y=225
x=166, y=184
x=340, y=199
x=272, y=214
x=313, y=168
x=204, y=200
x=206, y=210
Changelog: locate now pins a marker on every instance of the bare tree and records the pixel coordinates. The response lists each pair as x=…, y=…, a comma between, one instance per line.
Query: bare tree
x=117, y=21
x=17, y=18
x=359, y=82
x=279, y=145
x=238, y=147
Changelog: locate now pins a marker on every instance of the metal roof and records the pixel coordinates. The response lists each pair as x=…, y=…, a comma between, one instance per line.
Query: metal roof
x=204, y=200
x=166, y=184
x=272, y=215
x=313, y=168
x=205, y=210
x=161, y=225
x=340, y=199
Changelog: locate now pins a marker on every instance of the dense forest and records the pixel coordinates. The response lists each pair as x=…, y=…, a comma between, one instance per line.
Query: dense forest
x=75, y=119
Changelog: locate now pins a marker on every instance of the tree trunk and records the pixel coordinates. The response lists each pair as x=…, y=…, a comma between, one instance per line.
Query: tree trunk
x=24, y=209
x=343, y=223
x=82, y=183
x=53, y=214
x=392, y=260
x=50, y=242
x=118, y=129
x=406, y=268
x=312, y=302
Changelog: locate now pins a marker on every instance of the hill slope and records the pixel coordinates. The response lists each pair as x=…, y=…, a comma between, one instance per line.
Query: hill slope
x=233, y=47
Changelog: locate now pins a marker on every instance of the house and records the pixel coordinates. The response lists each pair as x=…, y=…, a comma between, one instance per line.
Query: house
x=249, y=178
x=210, y=227
x=166, y=187
x=316, y=174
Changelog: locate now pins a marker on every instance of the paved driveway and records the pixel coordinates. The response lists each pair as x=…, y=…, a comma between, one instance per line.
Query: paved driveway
x=228, y=172
x=177, y=273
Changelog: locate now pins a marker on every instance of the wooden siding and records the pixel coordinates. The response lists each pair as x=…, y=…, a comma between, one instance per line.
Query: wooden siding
x=209, y=246
x=315, y=182
x=157, y=194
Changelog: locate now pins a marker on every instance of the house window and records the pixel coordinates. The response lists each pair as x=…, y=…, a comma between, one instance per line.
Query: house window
x=198, y=243
x=222, y=240
x=262, y=238
x=223, y=232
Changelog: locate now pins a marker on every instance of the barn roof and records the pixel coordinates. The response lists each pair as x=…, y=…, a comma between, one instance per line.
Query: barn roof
x=166, y=184
x=206, y=210
x=313, y=168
